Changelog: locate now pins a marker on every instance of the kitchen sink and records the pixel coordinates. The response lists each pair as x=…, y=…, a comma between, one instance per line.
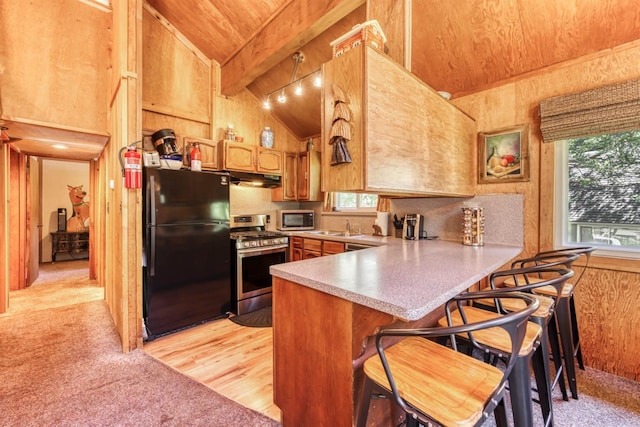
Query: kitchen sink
x=326, y=232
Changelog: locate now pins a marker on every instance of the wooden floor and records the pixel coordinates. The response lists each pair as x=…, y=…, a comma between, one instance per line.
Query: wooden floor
x=234, y=361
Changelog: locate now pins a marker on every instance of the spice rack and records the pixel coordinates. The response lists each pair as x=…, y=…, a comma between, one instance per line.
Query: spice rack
x=472, y=226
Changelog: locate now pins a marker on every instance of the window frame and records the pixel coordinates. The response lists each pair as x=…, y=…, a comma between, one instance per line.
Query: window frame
x=358, y=208
x=561, y=210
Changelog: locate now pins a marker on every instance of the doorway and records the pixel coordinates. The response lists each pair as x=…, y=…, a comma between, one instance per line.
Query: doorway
x=41, y=187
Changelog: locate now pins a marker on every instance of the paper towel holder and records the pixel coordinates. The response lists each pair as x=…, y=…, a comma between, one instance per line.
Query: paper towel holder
x=382, y=222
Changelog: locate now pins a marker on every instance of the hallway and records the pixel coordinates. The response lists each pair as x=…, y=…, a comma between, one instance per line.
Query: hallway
x=59, y=284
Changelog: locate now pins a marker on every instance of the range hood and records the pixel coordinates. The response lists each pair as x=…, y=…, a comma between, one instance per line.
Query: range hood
x=255, y=180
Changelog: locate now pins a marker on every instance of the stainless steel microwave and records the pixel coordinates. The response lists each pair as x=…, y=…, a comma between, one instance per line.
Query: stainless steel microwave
x=300, y=219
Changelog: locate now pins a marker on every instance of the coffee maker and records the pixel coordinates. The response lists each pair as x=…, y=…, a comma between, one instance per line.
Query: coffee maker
x=413, y=227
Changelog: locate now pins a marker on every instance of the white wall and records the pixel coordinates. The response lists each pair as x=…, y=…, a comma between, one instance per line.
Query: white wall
x=248, y=200
x=56, y=175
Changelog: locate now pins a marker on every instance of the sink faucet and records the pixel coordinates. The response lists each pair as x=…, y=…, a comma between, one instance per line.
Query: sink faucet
x=347, y=232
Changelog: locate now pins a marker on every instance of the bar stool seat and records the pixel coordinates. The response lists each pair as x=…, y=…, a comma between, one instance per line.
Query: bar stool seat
x=459, y=403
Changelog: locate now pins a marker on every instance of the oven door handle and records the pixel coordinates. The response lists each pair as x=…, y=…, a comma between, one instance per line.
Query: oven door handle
x=247, y=252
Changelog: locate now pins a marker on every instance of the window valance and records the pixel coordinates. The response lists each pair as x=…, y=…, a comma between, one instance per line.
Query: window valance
x=607, y=109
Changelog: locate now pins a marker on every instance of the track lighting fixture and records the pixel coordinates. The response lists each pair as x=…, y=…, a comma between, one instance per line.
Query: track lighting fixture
x=298, y=58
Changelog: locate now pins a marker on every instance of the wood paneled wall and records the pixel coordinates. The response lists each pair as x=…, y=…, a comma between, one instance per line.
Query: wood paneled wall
x=608, y=295
x=119, y=222
x=180, y=92
x=61, y=81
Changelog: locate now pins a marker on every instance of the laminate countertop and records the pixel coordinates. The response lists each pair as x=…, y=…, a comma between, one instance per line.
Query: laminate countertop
x=405, y=278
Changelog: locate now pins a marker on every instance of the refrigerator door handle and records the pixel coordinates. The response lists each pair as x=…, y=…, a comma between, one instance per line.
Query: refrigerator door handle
x=152, y=252
x=151, y=199
x=151, y=194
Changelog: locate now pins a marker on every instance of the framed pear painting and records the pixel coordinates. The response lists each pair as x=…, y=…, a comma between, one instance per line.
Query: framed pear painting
x=503, y=155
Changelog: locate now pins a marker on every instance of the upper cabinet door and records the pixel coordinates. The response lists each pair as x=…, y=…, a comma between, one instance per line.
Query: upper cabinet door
x=290, y=176
x=269, y=161
x=238, y=156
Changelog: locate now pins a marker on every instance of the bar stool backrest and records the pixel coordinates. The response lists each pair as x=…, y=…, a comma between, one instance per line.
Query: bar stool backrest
x=581, y=251
x=553, y=276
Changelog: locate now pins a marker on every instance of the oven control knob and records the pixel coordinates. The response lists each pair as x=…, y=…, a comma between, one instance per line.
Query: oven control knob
x=245, y=244
x=255, y=243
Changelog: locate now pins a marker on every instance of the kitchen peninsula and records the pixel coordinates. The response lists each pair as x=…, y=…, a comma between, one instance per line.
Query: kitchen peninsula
x=325, y=309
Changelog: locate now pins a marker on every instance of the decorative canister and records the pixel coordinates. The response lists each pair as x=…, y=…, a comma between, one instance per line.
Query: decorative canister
x=472, y=226
x=266, y=137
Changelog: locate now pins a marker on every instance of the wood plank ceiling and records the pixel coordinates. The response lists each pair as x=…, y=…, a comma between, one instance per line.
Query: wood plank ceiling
x=457, y=46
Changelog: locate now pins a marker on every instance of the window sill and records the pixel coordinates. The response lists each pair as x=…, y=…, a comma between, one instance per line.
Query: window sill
x=351, y=213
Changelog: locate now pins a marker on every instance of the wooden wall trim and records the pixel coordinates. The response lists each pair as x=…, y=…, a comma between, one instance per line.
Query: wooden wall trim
x=4, y=227
x=175, y=112
x=296, y=23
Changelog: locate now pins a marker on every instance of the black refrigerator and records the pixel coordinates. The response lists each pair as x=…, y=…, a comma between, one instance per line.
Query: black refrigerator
x=186, y=269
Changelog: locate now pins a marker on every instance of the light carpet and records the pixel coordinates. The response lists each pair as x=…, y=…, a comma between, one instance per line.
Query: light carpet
x=63, y=366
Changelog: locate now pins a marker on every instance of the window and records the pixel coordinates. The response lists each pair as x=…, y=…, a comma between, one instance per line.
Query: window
x=355, y=202
x=598, y=201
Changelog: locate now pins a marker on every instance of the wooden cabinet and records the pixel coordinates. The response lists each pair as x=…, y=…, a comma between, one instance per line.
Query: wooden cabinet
x=237, y=156
x=296, y=248
x=208, y=151
x=330, y=248
x=406, y=140
x=308, y=176
x=71, y=243
x=269, y=161
x=289, y=188
x=304, y=248
x=312, y=248
x=250, y=158
x=300, y=178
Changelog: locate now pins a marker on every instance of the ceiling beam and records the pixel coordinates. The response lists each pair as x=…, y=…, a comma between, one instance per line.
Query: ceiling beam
x=298, y=23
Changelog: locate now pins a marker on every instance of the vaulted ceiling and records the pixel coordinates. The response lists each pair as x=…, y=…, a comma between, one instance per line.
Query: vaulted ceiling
x=457, y=46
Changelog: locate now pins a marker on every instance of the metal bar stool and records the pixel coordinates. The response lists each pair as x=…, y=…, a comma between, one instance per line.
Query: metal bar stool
x=581, y=251
x=435, y=383
x=566, y=320
x=552, y=261
x=543, y=316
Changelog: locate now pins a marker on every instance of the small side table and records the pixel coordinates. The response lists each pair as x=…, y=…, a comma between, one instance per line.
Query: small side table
x=69, y=243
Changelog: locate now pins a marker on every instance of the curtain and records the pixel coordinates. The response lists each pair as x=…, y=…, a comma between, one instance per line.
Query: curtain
x=607, y=109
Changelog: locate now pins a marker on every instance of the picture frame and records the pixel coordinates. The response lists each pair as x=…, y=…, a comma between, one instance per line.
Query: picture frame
x=503, y=155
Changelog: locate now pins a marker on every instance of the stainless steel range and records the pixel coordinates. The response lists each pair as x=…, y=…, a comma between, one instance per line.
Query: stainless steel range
x=253, y=251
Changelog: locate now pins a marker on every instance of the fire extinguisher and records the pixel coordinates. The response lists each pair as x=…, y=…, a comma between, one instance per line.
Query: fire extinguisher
x=132, y=168
x=196, y=158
